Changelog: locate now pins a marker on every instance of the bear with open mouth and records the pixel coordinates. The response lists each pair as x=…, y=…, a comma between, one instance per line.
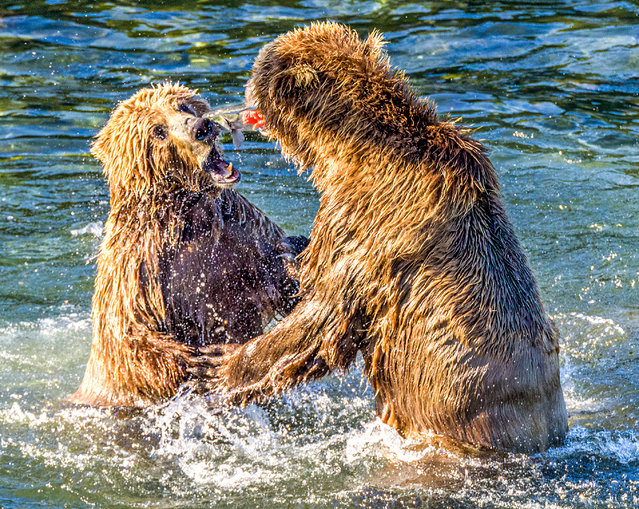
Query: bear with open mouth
x=186, y=261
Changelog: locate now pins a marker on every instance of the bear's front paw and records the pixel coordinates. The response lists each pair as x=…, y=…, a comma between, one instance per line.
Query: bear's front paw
x=294, y=244
x=289, y=249
x=206, y=366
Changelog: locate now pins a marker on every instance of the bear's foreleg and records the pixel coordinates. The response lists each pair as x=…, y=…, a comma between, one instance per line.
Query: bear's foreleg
x=304, y=346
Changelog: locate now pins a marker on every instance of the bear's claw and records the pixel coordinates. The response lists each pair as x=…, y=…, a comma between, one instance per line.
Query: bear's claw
x=289, y=249
x=205, y=365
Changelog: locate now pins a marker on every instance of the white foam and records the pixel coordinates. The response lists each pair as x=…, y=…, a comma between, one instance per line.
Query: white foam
x=384, y=442
x=574, y=403
x=607, y=324
x=621, y=446
x=69, y=322
x=94, y=229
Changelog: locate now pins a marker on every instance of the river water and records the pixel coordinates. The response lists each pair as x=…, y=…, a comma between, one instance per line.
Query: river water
x=553, y=88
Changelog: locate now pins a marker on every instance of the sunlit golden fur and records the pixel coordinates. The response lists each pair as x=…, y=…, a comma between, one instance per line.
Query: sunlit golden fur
x=136, y=163
x=412, y=259
x=166, y=209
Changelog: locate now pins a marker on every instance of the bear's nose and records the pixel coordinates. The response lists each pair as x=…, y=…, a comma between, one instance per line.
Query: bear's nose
x=203, y=129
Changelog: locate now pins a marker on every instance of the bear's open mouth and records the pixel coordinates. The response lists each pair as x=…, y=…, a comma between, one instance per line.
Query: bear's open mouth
x=224, y=174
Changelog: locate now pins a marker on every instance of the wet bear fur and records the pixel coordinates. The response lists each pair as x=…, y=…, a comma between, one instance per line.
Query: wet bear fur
x=413, y=261
x=185, y=261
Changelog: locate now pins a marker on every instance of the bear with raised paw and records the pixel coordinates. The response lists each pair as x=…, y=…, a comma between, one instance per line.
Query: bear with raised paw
x=412, y=261
x=185, y=261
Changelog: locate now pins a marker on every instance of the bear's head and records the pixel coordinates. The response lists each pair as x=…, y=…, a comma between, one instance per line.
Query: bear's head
x=321, y=88
x=160, y=140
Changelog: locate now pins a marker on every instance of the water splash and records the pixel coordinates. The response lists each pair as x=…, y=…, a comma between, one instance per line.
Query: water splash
x=95, y=229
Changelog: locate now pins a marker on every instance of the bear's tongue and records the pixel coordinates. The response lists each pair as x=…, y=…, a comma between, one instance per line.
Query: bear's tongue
x=221, y=171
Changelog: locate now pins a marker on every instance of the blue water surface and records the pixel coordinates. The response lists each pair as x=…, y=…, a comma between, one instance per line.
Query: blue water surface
x=553, y=88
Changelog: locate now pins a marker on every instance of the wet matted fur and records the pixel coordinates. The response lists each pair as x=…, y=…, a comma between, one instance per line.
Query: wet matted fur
x=412, y=259
x=185, y=260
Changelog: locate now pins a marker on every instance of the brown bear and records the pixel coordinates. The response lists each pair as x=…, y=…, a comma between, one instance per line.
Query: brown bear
x=185, y=261
x=412, y=259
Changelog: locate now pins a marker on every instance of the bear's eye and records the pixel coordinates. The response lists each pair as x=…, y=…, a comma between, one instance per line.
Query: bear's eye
x=160, y=132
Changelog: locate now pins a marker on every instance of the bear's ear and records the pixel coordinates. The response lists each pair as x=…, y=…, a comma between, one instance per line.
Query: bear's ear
x=103, y=143
x=99, y=148
x=374, y=46
x=301, y=76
